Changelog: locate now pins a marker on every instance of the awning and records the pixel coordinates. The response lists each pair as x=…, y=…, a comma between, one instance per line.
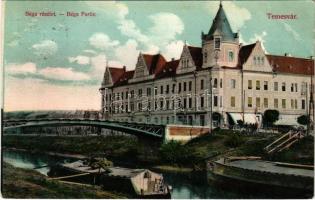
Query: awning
x=290, y=120
x=249, y=118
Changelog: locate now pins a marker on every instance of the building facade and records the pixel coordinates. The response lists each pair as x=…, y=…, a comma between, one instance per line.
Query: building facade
x=244, y=82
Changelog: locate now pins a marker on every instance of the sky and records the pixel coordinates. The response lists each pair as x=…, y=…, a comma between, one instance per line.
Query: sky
x=58, y=62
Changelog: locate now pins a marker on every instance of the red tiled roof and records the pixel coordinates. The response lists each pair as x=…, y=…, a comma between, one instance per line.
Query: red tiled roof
x=168, y=70
x=124, y=78
x=244, y=53
x=154, y=62
x=287, y=64
x=196, y=54
x=116, y=73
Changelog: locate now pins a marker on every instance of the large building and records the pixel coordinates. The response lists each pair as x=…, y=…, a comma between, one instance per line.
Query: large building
x=245, y=82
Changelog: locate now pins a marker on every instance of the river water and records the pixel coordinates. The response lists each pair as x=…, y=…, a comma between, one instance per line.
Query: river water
x=185, y=185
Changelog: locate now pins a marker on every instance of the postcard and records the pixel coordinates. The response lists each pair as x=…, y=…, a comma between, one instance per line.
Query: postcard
x=157, y=99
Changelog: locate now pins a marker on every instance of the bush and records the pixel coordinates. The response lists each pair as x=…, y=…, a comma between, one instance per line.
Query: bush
x=303, y=119
x=270, y=117
x=233, y=141
x=173, y=152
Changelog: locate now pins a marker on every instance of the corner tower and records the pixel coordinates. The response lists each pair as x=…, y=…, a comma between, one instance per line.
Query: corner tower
x=220, y=46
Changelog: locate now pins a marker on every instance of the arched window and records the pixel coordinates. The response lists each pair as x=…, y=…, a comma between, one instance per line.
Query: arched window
x=215, y=83
x=231, y=56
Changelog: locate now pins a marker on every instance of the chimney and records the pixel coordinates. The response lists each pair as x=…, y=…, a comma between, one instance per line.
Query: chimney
x=124, y=67
x=173, y=59
x=285, y=54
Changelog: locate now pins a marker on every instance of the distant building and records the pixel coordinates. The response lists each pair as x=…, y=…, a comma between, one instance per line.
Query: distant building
x=245, y=82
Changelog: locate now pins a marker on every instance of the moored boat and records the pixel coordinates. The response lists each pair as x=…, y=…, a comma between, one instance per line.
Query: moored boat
x=140, y=183
x=252, y=174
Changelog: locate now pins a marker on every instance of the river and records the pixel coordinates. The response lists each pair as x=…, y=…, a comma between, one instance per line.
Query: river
x=185, y=185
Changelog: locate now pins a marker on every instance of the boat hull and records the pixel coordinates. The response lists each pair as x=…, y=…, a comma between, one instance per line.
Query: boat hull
x=253, y=181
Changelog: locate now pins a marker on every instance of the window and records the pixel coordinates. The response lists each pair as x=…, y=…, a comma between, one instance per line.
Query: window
x=231, y=56
x=265, y=103
x=184, y=86
x=255, y=60
x=221, y=84
x=173, y=88
x=221, y=102
x=303, y=88
x=161, y=89
x=190, y=86
x=275, y=86
x=303, y=104
x=284, y=103
x=295, y=104
x=296, y=87
x=249, y=102
x=167, y=89
x=292, y=104
x=215, y=101
x=205, y=57
x=258, y=60
x=140, y=92
x=202, y=102
x=232, y=101
x=257, y=102
x=215, y=83
x=292, y=87
x=149, y=91
x=179, y=87
x=217, y=43
x=275, y=103
x=233, y=83
x=201, y=84
x=155, y=90
x=265, y=85
x=185, y=103
x=262, y=60
x=283, y=86
x=190, y=102
x=202, y=120
x=257, y=85
x=250, y=86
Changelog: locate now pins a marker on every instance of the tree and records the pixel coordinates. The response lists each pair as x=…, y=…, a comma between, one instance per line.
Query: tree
x=303, y=119
x=270, y=117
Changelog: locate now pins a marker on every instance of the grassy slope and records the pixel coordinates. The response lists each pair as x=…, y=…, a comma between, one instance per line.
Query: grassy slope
x=23, y=183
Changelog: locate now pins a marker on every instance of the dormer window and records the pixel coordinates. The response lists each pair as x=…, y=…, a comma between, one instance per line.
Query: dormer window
x=217, y=43
x=231, y=56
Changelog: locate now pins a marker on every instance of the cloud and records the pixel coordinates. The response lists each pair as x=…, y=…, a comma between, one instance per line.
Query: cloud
x=89, y=51
x=45, y=48
x=129, y=59
x=260, y=37
x=81, y=60
x=165, y=28
x=173, y=50
x=236, y=15
x=58, y=73
x=102, y=41
x=292, y=31
x=26, y=68
x=98, y=63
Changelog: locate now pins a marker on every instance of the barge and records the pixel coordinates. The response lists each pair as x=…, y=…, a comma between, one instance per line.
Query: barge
x=253, y=174
x=139, y=183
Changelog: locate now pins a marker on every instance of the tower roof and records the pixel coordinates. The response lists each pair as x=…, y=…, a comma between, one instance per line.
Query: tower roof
x=221, y=26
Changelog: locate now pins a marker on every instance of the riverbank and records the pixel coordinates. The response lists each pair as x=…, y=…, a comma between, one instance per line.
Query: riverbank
x=27, y=183
x=170, y=156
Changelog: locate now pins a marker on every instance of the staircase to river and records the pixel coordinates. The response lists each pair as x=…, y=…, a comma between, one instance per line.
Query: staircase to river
x=284, y=142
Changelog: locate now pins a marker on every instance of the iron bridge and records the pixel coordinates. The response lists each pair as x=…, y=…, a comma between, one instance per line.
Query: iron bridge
x=138, y=129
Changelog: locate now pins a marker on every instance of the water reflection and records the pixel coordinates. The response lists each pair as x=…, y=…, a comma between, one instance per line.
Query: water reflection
x=185, y=185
